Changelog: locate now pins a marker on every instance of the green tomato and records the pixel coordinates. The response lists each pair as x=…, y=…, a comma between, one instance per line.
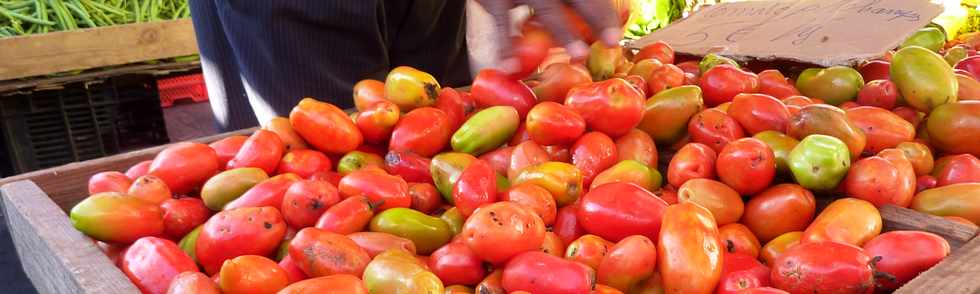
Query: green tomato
x=929, y=37
x=427, y=232
x=446, y=169
x=486, y=130
x=781, y=145
x=924, y=78
x=355, y=160
x=188, y=244
x=836, y=84
x=819, y=162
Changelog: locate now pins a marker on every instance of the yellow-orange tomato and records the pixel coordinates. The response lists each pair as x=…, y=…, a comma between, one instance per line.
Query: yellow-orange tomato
x=150, y=188
x=724, y=203
x=346, y=284
x=737, y=237
x=325, y=126
x=411, y=88
x=563, y=180
x=291, y=139
x=780, y=209
x=252, y=274
x=777, y=245
x=848, y=220
x=689, y=251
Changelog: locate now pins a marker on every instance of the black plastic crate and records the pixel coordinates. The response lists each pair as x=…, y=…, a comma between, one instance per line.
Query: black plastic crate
x=81, y=121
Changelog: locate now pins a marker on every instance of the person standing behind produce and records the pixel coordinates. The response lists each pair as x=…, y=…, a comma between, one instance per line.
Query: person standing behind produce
x=260, y=58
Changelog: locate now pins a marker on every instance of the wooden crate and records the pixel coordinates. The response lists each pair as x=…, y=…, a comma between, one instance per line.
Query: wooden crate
x=59, y=259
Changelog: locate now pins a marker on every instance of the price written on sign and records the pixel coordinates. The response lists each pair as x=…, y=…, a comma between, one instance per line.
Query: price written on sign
x=825, y=32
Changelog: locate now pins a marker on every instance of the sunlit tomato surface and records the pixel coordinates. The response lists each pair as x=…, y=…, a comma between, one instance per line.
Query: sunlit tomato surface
x=550, y=123
x=375, y=243
x=659, y=50
x=236, y=232
x=747, y=165
x=714, y=128
x=905, y=254
x=538, y=272
x=424, y=131
x=563, y=180
x=252, y=274
x=492, y=87
x=882, y=128
x=962, y=168
x=410, y=88
x=325, y=126
x=617, y=210
x=665, y=77
x=823, y=267
x=304, y=163
x=689, y=252
x=693, y=161
x=523, y=155
x=390, y=191
x=612, y=106
x=724, y=202
x=477, y=186
x=848, y=220
x=503, y=223
x=185, y=166
x=589, y=250
x=759, y=112
x=721, y=84
x=919, y=155
x=348, y=216
x=111, y=181
x=193, y=282
x=779, y=209
x=593, y=153
x=152, y=263
x=149, y=188
x=534, y=197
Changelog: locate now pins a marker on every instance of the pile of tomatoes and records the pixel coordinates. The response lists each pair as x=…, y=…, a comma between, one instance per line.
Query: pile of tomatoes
x=630, y=173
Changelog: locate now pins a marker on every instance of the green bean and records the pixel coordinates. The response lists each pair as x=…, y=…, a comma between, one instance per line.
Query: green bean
x=105, y=8
x=81, y=13
x=137, y=11
x=42, y=13
x=12, y=15
x=17, y=5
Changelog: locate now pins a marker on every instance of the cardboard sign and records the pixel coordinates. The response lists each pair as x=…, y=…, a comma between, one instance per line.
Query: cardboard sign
x=823, y=32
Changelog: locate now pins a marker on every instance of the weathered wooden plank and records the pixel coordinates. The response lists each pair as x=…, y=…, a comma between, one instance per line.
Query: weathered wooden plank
x=56, y=257
x=897, y=218
x=28, y=85
x=957, y=274
x=68, y=184
x=34, y=55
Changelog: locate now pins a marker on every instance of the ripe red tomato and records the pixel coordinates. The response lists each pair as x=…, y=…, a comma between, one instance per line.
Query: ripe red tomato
x=882, y=128
x=347, y=216
x=558, y=153
x=499, y=159
x=747, y=165
x=140, y=169
x=477, y=186
x=523, y=155
x=637, y=145
x=425, y=197
x=152, y=263
x=237, y=232
x=457, y=105
x=693, y=161
x=376, y=121
x=905, y=254
x=265, y=193
x=593, y=153
x=759, y=112
x=589, y=250
x=367, y=92
x=192, y=282
x=305, y=163
x=109, y=181
x=455, y=263
x=617, y=210
x=306, y=200
x=878, y=93
x=778, y=210
x=665, y=77
x=689, y=252
x=612, y=106
x=639, y=83
x=628, y=263
x=262, y=150
x=320, y=253
x=773, y=83
x=531, y=48
x=534, y=197
x=227, y=148
x=293, y=271
x=567, y=226
x=503, y=223
x=558, y=78
x=424, y=131
x=887, y=178
x=181, y=216
x=550, y=123
x=325, y=126
x=741, y=271
x=252, y=274
x=492, y=87
x=962, y=168
x=721, y=83
x=875, y=70
x=541, y=273
x=659, y=50
x=185, y=166
x=823, y=267
x=410, y=166
x=390, y=191
x=714, y=128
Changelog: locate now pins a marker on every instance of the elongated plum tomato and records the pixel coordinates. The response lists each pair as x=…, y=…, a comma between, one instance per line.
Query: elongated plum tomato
x=534, y=197
x=773, y=83
x=117, y=218
x=847, y=220
x=892, y=176
x=550, y=123
x=456, y=104
x=236, y=232
x=637, y=145
x=227, y=148
x=152, y=263
x=424, y=131
x=531, y=48
x=882, y=128
x=660, y=50
x=523, y=155
x=290, y=139
x=375, y=243
x=759, y=112
x=721, y=83
x=455, y=264
x=320, y=253
x=325, y=127
x=306, y=200
x=612, y=106
x=593, y=153
x=617, y=210
x=181, y=216
x=185, y=166
x=693, y=161
x=263, y=149
x=878, y=93
x=724, y=202
x=477, y=186
x=689, y=251
x=503, y=223
x=538, y=272
x=192, y=282
x=329, y=284
x=628, y=263
x=905, y=254
x=823, y=267
x=492, y=87
x=304, y=163
x=252, y=274
x=390, y=191
x=140, y=169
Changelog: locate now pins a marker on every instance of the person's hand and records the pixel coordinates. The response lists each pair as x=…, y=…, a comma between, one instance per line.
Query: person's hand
x=598, y=13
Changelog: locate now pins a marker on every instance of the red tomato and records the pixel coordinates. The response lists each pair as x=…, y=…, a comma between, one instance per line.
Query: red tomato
x=747, y=165
x=534, y=197
x=962, y=168
x=520, y=135
x=737, y=238
x=375, y=243
x=567, y=226
x=293, y=271
x=377, y=121
x=971, y=65
x=181, y=216
x=139, y=169
x=455, y=263
x=637, y=145
x=690, y=67
x=759, y=112
x=237, y=232
x=659, y=50
x=152, y=263
x=346, y=284
x=503, y=223
x=558, y=153
x=823, y=267
x=628, y=263
x=325, y=126
x=347, y=216
x=639, y=83
x=617, y=210
x=550, y=123
x=425, y=197
x=589, y=250
x=875, y=70
x=109, y=181
x=778, y=210
x=593, y=153
x=761, y=290
x=693, y=161
x=737, y=281
x=390, y=191
x=741, y=271
x=424, y=131
x=456, y=105
x=185, y=166
x=905, y=254
x=252, y=274
x=524, y=155
x=409, y=166
x=689, y=252
x=878, y=93
x=477, y=186
x=367, y=92
x=499, y=159
x=882, y=128
x=492, y=87
x=320, y=253
x=540, y=273
x=262, y=150
x=909, y=114
x=612, y=106
x=714, y=128
x=306, y=200
x=530, y=49
x=724, y=202
x=192, y=282
x=665, y=77
x=721, y=83
x=773, y=83
x=227, y=148
x=924, y=182
x=552, y=244
x=557, y=79
x=305, y=163
x=265, y=193
x=891, y=174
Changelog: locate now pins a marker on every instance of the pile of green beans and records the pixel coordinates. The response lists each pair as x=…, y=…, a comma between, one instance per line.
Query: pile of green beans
x=25, y=17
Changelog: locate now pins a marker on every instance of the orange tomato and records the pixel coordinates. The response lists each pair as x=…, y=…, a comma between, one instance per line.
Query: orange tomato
x=550, y=123
x=281, y=127
x=778, y=210
x=534, y=197
x=367, y=92
x=252, y=274
x=637, y=145
x=377, y=121
x=724, y=203
x=149, y=188
x=320, y=253
x=628, y=263
x=738, y=238
x=689, y=250
x=192, y=282
x=340, y=284
x=503, y=223
x=552, y=244
x=778, y=245
x=848, y=220
x=325, y=126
